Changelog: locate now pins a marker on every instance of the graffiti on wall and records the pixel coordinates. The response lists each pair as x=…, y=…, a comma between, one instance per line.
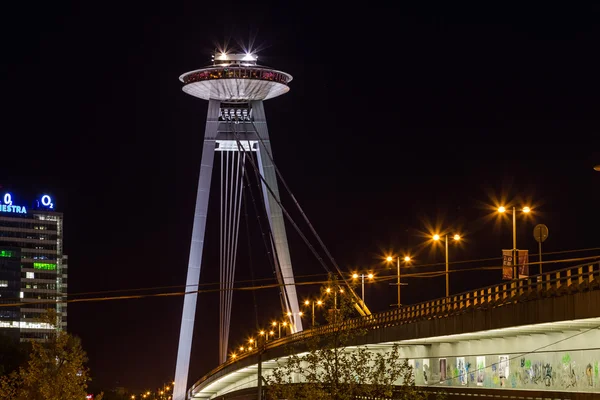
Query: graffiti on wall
x=569, y=371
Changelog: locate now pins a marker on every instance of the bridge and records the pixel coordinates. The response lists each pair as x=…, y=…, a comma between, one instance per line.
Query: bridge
x=533, y=338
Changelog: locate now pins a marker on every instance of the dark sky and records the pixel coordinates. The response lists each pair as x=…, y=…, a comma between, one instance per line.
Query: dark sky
x=397, y=118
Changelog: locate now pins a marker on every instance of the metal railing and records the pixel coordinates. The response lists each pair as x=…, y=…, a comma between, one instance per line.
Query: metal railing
x=556, y=283
x=573, y=279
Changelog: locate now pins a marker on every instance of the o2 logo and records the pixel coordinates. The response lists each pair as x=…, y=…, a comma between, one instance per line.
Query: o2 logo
x=7, y=204
x=46, y=201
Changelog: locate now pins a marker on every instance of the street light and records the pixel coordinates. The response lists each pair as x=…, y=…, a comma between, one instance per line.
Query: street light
x=456, y=238
x=308, y=302
x=335, y=292
x=279, y=324
x=390, y=259
x=328, y=291
x=362, y=276
x=525, y=210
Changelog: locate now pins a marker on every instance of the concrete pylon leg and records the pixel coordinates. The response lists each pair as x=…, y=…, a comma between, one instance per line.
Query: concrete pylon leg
x=195, y=259
x=283, y=262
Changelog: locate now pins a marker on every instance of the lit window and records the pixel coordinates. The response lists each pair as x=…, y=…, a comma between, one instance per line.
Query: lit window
x=21, y=295
x=3, y=283
x=29, y=275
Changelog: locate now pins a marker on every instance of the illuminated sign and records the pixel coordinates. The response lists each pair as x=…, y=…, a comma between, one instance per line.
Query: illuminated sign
x=6, y=253
x=47, y=201
x=7, y=205
x=45, y=266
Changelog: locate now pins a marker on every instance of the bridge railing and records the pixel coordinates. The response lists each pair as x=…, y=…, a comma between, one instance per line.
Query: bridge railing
x=556, y=283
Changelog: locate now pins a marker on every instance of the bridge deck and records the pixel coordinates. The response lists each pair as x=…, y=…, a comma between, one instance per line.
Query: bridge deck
x=515, y=301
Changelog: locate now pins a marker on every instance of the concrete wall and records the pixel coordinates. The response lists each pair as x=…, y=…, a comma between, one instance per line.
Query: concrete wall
x=561, y=361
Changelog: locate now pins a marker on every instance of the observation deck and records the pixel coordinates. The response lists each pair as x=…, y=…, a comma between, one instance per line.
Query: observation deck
x=235, y=78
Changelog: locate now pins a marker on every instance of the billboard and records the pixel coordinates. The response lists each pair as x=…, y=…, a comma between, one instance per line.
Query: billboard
x=507, y=264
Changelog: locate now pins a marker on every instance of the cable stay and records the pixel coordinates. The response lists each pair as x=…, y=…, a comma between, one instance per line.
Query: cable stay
x=274, y=260
x=246, y=219
x=359, y=303
x=231, y=199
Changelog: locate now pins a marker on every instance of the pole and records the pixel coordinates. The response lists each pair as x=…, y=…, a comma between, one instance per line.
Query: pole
x=313, y=314
x=398, y=281
x=363, y=287
x=515, y=273
x=447, y=270
x=260, y=373
x=335, y=306
x=279, y=337
x=540, y=248
x=335, y=300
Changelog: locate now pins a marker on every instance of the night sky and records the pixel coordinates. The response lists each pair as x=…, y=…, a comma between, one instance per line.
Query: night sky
x=397, y=119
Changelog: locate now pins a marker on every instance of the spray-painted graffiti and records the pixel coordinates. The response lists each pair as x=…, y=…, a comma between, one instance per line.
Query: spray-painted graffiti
x=576, y=370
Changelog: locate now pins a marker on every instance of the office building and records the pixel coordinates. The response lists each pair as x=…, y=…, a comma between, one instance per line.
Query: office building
x=33, y=268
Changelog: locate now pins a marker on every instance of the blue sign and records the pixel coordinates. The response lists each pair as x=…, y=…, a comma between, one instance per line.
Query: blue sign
x=47, y=201
x=7, y=205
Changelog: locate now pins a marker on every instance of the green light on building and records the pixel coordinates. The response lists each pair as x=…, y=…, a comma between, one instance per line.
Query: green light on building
x=44, y=266
x=7, y=253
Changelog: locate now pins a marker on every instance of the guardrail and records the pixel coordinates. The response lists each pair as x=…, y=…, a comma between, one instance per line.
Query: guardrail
x=557, y=283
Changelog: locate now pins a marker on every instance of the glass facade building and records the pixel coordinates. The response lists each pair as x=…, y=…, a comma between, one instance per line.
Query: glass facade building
x=33, y=271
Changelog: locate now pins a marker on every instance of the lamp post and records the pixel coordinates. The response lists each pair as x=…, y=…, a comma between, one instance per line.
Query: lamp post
x=390, y=259
x=456, y=238
x=328, y=291
x=525, y=210
x=362, y=276
x=279, y=324
x=319, y=303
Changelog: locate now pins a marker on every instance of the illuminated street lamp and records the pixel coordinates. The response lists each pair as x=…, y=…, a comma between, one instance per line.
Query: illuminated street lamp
x=525, y=210
x=390, y=259
x=335, y=292
x=279, y=325
x=319, y=303
x=362, y=277
x=456, y=238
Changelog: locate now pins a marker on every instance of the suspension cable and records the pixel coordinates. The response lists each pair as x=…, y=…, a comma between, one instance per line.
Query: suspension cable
x=250, y=263
x=273, y=257
x=341, y=274
x=231, y=199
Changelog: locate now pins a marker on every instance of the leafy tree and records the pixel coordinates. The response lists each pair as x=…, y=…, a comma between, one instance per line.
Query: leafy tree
x=55, y=370
x=329, y=370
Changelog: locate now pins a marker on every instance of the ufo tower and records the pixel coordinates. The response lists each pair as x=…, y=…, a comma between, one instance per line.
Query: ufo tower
x=235, y=87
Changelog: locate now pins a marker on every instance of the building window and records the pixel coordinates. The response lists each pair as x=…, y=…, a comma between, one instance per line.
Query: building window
x=29, y=275
x=3, y=283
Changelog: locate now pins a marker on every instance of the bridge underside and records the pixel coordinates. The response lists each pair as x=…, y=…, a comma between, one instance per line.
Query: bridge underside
x=545, y=344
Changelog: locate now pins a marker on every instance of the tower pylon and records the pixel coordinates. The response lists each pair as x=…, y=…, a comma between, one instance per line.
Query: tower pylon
x=235, y=87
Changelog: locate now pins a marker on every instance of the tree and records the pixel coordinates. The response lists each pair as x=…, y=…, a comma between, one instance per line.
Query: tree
x=329, y=370
x=55, y=370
